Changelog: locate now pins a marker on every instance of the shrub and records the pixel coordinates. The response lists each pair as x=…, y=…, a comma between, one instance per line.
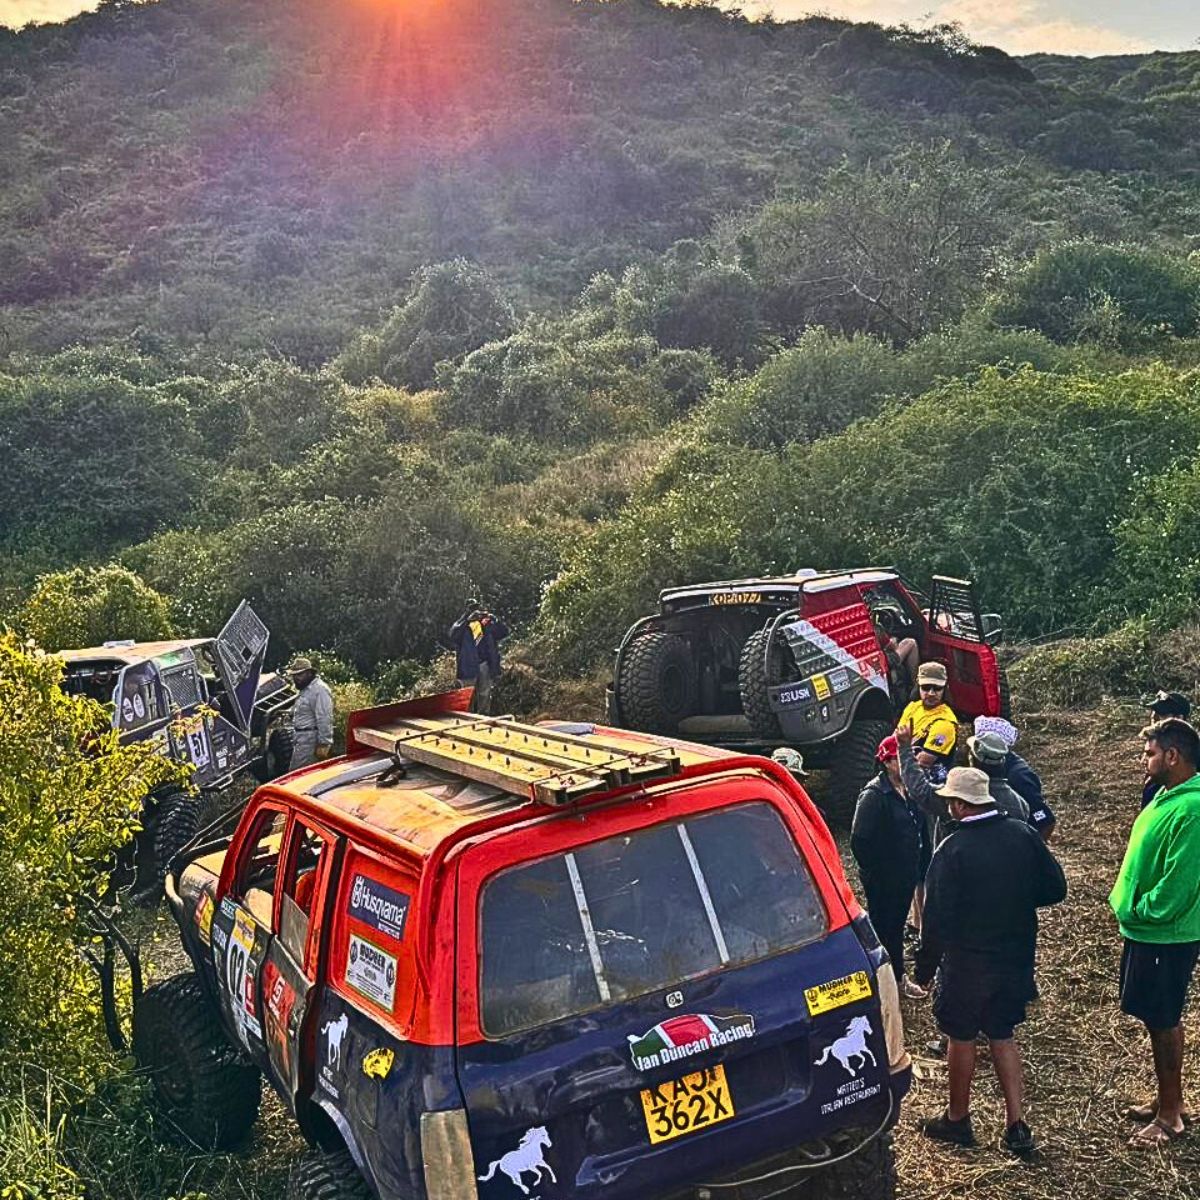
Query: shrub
x=91, y=605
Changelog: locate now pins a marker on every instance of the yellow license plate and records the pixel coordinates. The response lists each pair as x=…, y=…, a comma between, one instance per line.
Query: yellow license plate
x=685, y=1105
x=837, y=992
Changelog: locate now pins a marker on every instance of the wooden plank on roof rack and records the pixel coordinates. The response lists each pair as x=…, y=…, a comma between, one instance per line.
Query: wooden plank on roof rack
x=553, y=767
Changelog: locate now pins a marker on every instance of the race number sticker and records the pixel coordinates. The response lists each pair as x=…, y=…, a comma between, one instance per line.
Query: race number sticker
x=371, y=972
x=837, y=992
x=240, y=970
x=198, y=747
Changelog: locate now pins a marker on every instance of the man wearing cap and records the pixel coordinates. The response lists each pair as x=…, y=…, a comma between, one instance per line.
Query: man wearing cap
x=1156, y=900
x=885, y=840
x=1020, y=776
x=985, y=884
x=1163, y=705
x=312, y=717
x=989, y=753
x=933, y=722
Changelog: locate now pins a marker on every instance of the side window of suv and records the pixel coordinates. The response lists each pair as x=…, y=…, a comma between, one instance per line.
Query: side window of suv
x=308, y=850
x=642, y=911
x=258, y=869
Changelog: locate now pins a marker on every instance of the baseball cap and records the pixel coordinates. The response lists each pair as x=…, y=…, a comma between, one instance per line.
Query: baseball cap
x=968, y=784
x=791, y=760
x=889, y=748
x=932, y=672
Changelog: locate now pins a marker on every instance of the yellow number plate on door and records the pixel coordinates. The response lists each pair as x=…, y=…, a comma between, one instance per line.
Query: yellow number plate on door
x=686, y=1105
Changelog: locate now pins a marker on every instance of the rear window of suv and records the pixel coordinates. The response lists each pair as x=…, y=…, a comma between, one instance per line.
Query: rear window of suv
x=640, y=912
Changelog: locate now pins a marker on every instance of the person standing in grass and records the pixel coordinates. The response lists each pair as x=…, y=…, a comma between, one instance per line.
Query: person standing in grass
x=986, y=882
x=1156, y=901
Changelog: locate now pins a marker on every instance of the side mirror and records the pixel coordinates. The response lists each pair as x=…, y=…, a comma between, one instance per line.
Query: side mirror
x=993, y=628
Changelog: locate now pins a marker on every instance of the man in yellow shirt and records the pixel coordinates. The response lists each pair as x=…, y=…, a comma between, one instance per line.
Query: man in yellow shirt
x=933, y=722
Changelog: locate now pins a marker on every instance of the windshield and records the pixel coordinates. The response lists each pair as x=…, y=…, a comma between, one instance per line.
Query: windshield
x=641, y=912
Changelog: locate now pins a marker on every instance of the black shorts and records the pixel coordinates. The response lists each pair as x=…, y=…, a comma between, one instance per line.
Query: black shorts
x=1154, y=981
x=972, y=997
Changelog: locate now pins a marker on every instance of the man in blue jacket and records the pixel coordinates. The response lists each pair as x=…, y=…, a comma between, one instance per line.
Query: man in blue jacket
x=475, y=639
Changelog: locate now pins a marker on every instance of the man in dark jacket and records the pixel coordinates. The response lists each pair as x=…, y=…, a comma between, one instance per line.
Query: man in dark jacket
x=985, y=884
x=1019, y=775
x=885, y=840
x=475, y=639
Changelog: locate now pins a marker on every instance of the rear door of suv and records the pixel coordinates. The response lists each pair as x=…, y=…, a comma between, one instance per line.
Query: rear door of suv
x=644, y=997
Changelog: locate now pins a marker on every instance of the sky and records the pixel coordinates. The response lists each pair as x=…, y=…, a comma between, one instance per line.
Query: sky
x=1018, y=26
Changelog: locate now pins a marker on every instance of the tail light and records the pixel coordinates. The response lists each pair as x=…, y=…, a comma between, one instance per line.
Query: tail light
x=446, y=1155
x=893, y=1023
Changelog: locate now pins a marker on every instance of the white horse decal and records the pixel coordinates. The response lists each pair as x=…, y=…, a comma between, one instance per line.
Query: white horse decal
x=853, y=1045
x=335, y=1031
x=529, y=1157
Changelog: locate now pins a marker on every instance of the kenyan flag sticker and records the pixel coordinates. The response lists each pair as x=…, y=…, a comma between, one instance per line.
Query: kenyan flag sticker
x=684, y=1036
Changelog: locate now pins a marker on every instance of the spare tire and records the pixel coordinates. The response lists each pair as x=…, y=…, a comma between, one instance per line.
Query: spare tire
x=276, y=758
x=853, y=765
x=756, y=676
x=656, y=685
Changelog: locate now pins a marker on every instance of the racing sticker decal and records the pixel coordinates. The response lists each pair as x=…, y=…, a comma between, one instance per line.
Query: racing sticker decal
x=204, y=917
x=821, y=687
x=837, y=992
x=240, y=970
x=371, y=972
x=379, y=906
x=852, y=1045
x=529, y=1158
x=683, y=1036
x=334, y=1033
x=720, y=598
x=280, y=999
x=799, y=693
x=378, y=1064
x=804, y=637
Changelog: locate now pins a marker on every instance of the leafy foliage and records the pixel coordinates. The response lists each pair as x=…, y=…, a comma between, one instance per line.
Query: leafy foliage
x=87, y=606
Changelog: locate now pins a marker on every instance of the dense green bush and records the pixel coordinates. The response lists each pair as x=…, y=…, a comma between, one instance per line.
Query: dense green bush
x=1115, y=295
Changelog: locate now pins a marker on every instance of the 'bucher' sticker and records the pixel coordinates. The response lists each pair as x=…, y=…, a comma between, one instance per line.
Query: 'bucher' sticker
x=837, y=992
x=371, y=972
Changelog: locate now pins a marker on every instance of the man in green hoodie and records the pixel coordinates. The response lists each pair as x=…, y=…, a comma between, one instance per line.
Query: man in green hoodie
x=1156, y=900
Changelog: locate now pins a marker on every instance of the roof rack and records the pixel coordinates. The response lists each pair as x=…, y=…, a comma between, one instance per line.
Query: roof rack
x=552, y=768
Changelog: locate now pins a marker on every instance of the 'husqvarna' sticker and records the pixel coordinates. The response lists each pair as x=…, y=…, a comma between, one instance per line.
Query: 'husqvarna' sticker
x=837, y=992
x=379, y=906
x=529, y=1158
x=683, y=1036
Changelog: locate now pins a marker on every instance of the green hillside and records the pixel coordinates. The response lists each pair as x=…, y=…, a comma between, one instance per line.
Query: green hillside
x=360, y=309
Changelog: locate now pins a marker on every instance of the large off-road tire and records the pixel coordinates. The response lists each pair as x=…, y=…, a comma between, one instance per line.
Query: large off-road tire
x=175, y=824
x=755, y=677
x=276, y=757
x=1005, y=695
x=868, y=1175
x=853, y=764
x=326, y=1177
x=656, y=688
x=205, y=1089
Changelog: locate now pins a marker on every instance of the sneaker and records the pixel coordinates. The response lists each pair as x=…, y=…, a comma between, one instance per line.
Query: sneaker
x=913, y=990
x=1018, y=1140
x=942, y=1129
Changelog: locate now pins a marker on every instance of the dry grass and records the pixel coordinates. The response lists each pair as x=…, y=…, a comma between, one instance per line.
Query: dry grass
x=1085, y=1061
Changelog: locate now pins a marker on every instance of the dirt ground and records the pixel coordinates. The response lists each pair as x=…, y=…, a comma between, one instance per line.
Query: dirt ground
x=1085, y=1062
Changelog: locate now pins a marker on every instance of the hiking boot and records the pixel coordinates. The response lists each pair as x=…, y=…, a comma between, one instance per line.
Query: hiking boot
x=942, y=1129
x=1018, y=1140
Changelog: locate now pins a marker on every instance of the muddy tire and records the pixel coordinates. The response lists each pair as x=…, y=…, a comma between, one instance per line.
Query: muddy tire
x=1005, y=696
x=853, y=764
x=755, y=677
x=326, y=1177
x=176, y=823
x=657, y=685
x=276, y=757
x=203, y=1087
x=868, y=1175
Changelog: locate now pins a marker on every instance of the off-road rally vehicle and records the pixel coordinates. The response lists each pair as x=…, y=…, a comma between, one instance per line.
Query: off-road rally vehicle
x=204, y=701
x=482, y=960
x=798, y=660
